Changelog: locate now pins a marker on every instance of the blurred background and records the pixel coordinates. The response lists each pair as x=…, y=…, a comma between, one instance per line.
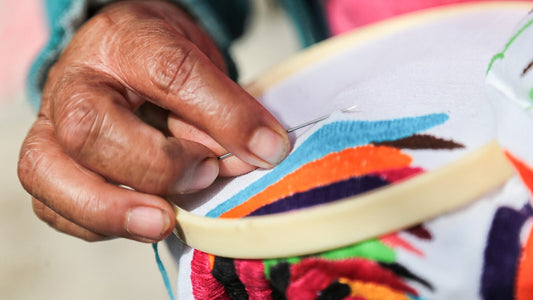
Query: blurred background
x=36, y=262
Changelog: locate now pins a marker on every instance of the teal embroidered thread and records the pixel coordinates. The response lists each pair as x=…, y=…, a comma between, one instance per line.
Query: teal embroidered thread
x=163, y=272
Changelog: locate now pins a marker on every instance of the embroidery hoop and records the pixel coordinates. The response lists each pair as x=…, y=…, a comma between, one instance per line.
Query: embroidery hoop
x=323, y=227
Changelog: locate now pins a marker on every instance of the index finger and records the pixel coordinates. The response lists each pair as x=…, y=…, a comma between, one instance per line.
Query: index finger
x=161, y=64
x=85, y=198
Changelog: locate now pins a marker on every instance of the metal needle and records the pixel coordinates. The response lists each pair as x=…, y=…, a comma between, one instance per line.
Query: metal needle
x=348, y=109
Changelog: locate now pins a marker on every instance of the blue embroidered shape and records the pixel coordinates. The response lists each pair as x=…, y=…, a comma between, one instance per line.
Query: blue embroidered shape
x=334, y=137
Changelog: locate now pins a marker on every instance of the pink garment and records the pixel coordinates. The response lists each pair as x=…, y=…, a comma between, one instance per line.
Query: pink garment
x=345, y=15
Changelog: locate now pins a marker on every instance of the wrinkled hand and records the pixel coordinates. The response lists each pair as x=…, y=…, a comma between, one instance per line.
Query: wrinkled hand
x=87, y=138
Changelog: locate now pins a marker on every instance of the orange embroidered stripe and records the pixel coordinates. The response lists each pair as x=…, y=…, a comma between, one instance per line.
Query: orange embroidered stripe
x=394, y=241
x=331, y=168
x=524, y=281
x=372, y=291
x=524, y=170
x=211, y=259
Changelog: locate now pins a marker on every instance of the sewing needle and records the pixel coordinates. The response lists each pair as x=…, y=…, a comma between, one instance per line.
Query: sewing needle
x=322, y=118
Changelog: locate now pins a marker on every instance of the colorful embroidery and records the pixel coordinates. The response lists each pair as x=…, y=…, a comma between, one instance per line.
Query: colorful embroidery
x=225, y=273
x=252, y=275
x=330, y=138
x=205, y=286
x=502, y=253
x=353, y=157
x=398, y=265
x=524, y=282
x=309, y=277
x=501, y=55
x=523, y=169
x=422, y=141
x=372, y=291
x=355, y=162
x=526, y=69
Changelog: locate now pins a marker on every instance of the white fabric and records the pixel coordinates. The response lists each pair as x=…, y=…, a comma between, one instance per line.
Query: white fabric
x=455, y=252
x=436, y=67
x=511, y=92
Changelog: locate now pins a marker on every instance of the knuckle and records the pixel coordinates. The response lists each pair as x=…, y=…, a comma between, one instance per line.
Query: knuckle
x=54, y=72
x=96, y=212
x=162, y=171
x=25, y=166
x=79, y=125
x=159, y=175
x=32, y=163
x=90, y=204
x=172, y=68
x=60, y=224
x=104, y=20
x=44, y=213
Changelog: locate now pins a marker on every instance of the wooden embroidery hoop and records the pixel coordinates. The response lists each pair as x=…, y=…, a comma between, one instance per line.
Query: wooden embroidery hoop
x=346, y=222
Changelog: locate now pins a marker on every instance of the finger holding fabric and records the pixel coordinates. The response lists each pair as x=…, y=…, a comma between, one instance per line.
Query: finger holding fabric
x=87, y=134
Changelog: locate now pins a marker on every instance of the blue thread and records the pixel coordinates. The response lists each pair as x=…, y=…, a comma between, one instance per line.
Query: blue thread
x=163, y=272
x=334, y=137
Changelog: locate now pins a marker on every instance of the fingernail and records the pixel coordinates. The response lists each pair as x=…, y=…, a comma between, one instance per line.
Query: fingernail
x=206, y=172
x=147, y=222
x=268, y=145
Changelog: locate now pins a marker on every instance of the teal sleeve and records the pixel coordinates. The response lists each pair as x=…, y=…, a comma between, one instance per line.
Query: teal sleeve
x=308, y=19
x=224, y=21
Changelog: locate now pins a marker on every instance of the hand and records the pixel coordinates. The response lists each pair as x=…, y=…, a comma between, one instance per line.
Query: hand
x=87, y=139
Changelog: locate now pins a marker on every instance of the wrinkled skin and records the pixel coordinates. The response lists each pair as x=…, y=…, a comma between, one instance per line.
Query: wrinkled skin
x=88, y=138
